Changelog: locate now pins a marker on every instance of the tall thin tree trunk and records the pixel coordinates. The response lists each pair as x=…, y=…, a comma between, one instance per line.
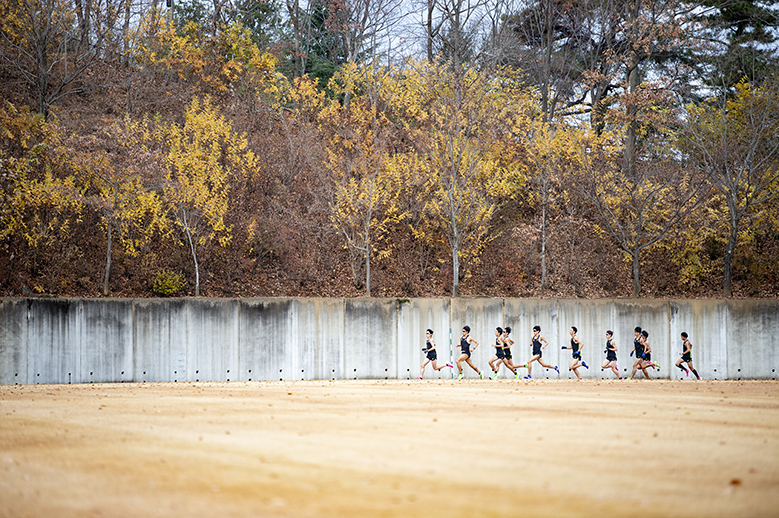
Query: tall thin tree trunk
x=455, y=272
x=368, y=270
x=543, y=248
x=108, y=259
x=636, y=273
x=194, y=258
x=729, y=253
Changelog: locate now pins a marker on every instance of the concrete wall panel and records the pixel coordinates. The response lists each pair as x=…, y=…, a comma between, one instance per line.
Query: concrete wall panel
x=652, y=316
x=483, y=316
x=212, y=340
x=106, y=341
x=753, y=339
x=705, y=321
x=160, y=340
x=267, y=350
x=326, y=317
x=370, y=339
x=54, y=330
x=522, y=315
x=13, y=341
x=592, y=319
x=414, y=318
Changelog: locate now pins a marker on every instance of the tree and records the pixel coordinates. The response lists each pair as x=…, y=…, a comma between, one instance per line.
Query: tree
x=469, y=113
x=736, y=142
x=38, y=41
x=637, y=211
x=745, y=38
x=548, y=150
x=40, y=199
x=118, y=176
x=199, y=159
x=363, y=177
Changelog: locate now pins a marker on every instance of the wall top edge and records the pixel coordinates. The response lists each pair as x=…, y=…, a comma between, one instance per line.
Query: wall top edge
x=390, y=299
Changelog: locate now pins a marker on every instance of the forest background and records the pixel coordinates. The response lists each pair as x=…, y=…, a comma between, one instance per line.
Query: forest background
x=394, y=148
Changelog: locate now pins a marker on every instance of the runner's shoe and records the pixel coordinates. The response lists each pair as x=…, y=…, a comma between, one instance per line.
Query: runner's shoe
x=558, y=370
x=480, y=376
x=585, y=364
x=450, y=365
x=460, y=376
x=494, y=375
x=527, y=377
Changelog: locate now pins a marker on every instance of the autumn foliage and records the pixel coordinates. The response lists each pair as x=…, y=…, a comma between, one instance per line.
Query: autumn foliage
x=203, y=166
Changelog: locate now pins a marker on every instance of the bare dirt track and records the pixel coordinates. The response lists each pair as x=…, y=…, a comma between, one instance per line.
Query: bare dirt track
x=391, y=448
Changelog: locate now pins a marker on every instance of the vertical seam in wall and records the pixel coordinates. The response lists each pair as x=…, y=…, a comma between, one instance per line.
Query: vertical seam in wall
x=134, y=339
x=238, y=342
x=451, y=348
x=668, y=319
x=397, y=339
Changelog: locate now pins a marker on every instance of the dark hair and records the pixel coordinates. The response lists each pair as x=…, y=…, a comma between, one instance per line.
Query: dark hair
x=610, y=332
x=499, y=330
x=574, y=329
x=430, y=331
x=507, y=330
x=684, y=334
x=537, y=328
x=637, y=330
x=646, y=335
x=467, y=329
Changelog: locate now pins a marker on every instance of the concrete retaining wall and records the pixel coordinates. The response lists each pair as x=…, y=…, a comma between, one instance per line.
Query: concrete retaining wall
x=146, y=340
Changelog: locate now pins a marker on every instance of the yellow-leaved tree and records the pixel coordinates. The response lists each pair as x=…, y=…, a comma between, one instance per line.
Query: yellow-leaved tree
x=472, y=117
x=735, y=141
x=363, y=181
x=118, y=179
x=199, y=160
x=635, y=210
x=39, y=199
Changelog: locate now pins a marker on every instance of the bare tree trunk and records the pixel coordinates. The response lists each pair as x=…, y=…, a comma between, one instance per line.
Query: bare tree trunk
x=636, y=273
x=430, y=8
x=729, y=253
x=543, y=248
x=108, y=259
x=194, y=258
x=368, y=271
x=455, y=272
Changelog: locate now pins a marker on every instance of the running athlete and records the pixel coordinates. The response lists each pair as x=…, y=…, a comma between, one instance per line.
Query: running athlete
x=537, y=347
x=465, y=347
x=498, y=356
x=508, y=360
x=611, y=354
x=576, y=346
x=647, y=357
x=430, y=354
x=638, y=349
x=686, y=357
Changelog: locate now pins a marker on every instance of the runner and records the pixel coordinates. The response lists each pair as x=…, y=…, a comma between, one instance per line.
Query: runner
x=576, y=346
x=647, y=356
x=537, y=347
x=638, y=349
x=508, y=360
x=611, y=354
x=498, y=356
x=430, y=354
x=465, y=347
x=686, y=357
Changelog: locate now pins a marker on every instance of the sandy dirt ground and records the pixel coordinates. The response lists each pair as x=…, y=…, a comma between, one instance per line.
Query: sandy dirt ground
x=391, y=448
